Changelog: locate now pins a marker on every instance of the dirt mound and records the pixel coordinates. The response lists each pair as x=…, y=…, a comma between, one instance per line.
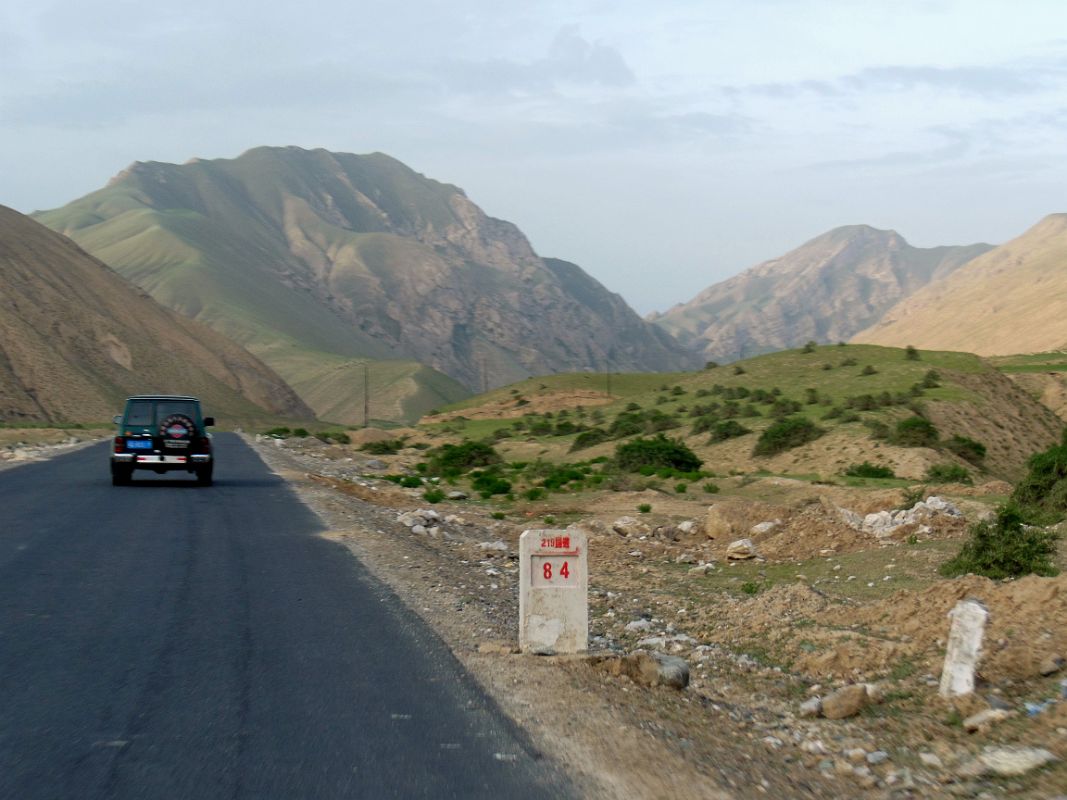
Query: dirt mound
x=1025, y=620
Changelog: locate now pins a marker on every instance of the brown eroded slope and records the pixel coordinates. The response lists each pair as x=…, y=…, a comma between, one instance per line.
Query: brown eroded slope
x=75, y=338
x=1009, y=300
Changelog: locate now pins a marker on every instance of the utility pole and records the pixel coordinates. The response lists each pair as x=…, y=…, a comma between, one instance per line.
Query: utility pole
x=366, y=397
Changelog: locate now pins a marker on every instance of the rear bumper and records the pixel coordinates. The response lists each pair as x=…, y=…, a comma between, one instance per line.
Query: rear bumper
x=153, y=461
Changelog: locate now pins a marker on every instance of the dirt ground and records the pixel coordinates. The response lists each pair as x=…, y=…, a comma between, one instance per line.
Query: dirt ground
x=824, y=606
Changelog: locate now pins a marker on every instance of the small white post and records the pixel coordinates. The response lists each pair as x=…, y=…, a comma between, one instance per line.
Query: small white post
x=553, y=591
x=964, y=648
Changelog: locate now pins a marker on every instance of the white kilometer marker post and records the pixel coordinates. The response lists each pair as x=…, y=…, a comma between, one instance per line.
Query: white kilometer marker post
x=553, y=591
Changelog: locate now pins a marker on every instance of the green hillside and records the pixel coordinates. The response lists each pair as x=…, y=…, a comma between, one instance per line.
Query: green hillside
x=860, y=392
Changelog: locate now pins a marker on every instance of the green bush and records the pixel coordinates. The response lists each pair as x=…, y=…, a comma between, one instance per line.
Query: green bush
x=331, y=436
x=681, y=488
x=868, y=370
x=711, y=488
x=534, y=493
x=786, y=434
x=727, y=429
x=644, y=508
x=869, y=470
x=947, y=473
x=915, y=432
x=451, y=460
x=301, y=433
x=589, y=438
x=967, y=449
x=411, y=481
x=489, y=483
x=562, y=475
x=1005, y=548
x=281, y=432
x=659, y=451
x=433, y=495
x=910, y=353
x=386, y=447
x=1044, y=487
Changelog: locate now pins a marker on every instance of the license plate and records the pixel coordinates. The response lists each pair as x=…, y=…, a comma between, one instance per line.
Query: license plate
x=169, y=443
x=139, y=444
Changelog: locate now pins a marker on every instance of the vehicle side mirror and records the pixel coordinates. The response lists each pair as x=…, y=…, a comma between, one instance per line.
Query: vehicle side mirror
x=209, y=421
x=117, y=419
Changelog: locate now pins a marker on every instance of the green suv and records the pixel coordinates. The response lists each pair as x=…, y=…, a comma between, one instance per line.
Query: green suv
x=162, y=433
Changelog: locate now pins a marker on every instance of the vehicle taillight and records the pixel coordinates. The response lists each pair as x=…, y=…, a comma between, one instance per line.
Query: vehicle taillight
x=120, y=444
x=205, y=444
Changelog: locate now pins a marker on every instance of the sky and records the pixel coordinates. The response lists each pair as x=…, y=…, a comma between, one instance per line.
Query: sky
x=663, y=146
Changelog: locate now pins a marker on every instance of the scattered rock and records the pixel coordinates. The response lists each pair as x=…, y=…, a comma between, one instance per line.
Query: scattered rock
x=877, y=757
x=702, y=569
x=811, y=707
x=1006, y=761
x=984, y=720
x=647, y=669
x=377, y=464
x=1052, y=665
x=456, y=494
x=931, y=760
x=765, y=527
x=845, y=702
x=716, y=524
x=741, y=550
x=629, y=527
x=687, y=527
x=638, y=625
x=686, y=558
x=497, y=546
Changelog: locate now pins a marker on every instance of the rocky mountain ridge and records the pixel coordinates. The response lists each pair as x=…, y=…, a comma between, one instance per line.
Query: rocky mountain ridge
x=826, y=290
x=307, y=256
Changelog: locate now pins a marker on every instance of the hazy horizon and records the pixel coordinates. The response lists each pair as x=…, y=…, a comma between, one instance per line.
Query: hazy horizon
x=661, y=148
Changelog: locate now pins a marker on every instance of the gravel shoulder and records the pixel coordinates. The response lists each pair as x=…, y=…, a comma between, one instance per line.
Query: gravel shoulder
x=826, y=609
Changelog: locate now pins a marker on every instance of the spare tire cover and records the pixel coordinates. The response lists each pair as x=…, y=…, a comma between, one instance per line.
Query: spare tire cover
x=177, y=427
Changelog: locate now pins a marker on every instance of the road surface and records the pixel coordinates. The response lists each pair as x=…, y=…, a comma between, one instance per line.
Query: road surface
x=165, y=640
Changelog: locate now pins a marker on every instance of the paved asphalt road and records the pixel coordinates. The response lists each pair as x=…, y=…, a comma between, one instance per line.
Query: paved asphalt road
x=164, y=640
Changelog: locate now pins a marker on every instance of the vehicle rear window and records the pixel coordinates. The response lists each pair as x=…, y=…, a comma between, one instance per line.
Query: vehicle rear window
x=149, y=413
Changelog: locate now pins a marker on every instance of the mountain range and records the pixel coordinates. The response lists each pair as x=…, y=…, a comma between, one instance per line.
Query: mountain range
x=329, y=265
x=75, y=339
x=826, y=290
x=1009, y=300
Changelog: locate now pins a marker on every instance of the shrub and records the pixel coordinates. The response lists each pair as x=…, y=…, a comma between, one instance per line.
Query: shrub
x=327, y=436
x=727, y=429
x=433, y=495
x=914, y=432
x=711, y=488
x=589, y=438
x=711, y=364
x=534, y=493
x=869, y=470
x=931, y=380
x=1044, y=487
x=809, y=347
x=301, y=433
x=410, y=481
x=644, y=508
x=739, y=370
x=849, y=362
x=385, y=447
x=451, y=460
x=868, y=370
x=489, y=483
x=827, y=365
x=947, y=473
x=878, y=429
x=281, y=432
x=1004, y=547
x=967, y=449
x=681, y=488
x=910, y=353
x=786, y=434
x=561, y=476
x=658, y=451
